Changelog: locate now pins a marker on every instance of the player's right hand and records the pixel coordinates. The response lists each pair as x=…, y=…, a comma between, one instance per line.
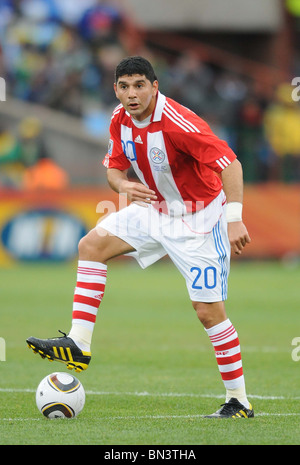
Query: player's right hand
x=137, y=192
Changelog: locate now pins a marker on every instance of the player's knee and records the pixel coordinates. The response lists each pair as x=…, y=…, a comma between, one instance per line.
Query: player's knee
x=89, y=248
x=203, y=313
x=210, y=314
x=96, y=246
x=83, y=246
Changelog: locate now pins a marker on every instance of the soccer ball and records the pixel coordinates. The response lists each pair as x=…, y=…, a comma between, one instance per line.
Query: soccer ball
x=60, y=395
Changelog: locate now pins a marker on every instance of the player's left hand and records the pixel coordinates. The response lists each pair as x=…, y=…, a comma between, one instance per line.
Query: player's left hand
x=238, y=236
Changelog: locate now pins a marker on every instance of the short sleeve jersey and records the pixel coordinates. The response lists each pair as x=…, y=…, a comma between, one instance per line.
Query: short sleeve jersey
x=177, y=155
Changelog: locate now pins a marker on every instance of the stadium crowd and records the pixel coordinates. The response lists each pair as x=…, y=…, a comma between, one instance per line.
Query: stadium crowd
x=62, y=54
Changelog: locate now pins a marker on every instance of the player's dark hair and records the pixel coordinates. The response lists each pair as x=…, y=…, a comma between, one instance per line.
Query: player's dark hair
x=135, y=65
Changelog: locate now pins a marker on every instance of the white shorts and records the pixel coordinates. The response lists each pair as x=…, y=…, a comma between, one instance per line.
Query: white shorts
x=197, y=244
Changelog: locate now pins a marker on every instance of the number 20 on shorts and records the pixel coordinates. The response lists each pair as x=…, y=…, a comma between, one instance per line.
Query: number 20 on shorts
x=206, y=277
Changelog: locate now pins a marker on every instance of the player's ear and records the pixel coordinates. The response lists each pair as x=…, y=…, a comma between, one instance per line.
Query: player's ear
x=115, y=88
x=155, y=87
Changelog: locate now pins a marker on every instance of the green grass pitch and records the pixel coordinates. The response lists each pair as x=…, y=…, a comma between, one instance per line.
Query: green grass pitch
x=153, y=373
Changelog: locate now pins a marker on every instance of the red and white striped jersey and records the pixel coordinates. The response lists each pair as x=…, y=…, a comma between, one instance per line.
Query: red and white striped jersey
x=176, y=155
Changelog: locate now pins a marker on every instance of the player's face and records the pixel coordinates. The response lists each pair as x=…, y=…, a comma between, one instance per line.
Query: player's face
x=137, y=95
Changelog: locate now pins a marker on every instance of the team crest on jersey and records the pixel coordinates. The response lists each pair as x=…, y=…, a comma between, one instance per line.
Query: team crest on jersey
x=157, y=155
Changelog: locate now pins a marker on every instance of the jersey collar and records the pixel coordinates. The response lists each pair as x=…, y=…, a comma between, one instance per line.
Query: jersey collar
x=160, y=103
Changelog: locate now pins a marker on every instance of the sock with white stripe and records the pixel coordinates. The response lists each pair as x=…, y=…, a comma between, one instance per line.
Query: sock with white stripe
x=90, y=286
x=225, y=341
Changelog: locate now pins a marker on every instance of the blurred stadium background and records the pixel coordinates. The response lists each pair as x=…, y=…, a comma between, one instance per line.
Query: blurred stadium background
x=231, y=61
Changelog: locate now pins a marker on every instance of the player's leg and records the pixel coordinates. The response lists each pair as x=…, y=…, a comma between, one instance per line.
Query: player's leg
x=225, y=341
x=204, y=260
x=210, y=313
x=126, y=231
x=95, y=249
x=100, y=246
x=208, y=297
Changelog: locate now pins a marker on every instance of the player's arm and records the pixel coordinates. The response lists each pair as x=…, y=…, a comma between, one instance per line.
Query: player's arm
x=232, y=178
x=135, y=191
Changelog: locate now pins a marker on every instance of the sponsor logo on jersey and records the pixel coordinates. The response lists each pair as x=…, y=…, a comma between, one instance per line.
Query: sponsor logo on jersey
x=138, y=140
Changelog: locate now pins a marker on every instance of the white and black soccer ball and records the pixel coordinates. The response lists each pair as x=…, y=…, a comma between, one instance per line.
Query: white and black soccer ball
x=60, y=395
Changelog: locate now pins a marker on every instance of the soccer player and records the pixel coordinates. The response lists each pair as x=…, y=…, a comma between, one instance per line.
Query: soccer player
x=186, y=203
